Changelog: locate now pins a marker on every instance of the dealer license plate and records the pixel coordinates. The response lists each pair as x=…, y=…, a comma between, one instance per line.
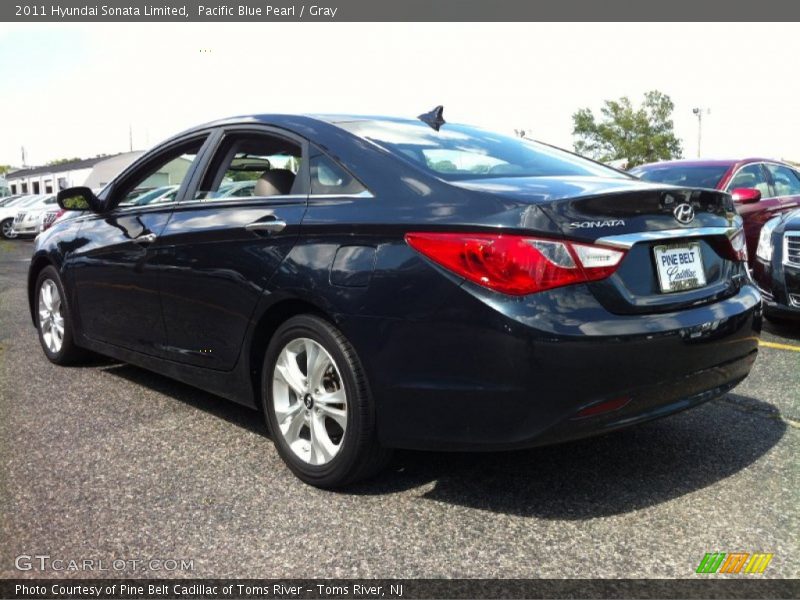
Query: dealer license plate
x=679, y=267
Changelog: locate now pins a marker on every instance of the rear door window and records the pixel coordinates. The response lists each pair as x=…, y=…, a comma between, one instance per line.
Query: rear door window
x=330, y=178
x=253, y=165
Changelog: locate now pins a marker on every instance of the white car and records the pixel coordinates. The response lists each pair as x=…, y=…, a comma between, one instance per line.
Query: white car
x=9, y=210
x=26, y=221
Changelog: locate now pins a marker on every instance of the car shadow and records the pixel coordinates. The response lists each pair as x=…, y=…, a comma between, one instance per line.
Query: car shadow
x=607, y=475
x=236, y=414
x=787, y=329
x=612, y=474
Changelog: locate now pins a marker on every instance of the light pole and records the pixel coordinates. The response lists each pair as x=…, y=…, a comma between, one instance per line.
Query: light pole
x=698, y=112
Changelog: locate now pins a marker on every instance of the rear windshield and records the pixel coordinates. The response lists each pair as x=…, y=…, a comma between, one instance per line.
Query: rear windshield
x=683, y=175
x=460, y=152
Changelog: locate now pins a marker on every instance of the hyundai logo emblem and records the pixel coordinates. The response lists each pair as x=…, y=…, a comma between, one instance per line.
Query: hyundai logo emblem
x=684, y=213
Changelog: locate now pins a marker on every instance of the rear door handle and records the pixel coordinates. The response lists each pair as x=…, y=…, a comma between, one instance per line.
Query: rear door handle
x=147, y=238
x=268, y=226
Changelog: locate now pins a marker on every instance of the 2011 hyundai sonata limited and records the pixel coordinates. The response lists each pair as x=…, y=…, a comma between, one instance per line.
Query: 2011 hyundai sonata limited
x=402, y=283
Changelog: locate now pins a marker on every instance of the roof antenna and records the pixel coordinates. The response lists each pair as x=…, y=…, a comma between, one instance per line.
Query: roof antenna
x=434, y=119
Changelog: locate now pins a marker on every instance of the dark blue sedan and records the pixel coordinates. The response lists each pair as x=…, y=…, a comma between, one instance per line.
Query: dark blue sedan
x=402, y=283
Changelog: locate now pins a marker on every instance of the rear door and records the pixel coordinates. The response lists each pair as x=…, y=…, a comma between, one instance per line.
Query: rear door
x=116, y=270
x=219, y=251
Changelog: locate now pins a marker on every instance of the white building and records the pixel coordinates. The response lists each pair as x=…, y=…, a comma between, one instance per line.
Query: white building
x=104, y=171
x=93, y=172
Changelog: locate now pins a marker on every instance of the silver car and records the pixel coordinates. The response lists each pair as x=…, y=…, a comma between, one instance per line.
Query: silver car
x=27, y=220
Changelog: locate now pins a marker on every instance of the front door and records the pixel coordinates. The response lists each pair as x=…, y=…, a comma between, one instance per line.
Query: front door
x=116, y=272
x=755, y=214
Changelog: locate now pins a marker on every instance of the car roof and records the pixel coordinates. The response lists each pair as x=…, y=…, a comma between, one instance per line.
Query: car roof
x=706, y=162
x=291, y=121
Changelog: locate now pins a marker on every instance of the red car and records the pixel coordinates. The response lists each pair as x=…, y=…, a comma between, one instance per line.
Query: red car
x=761, y=188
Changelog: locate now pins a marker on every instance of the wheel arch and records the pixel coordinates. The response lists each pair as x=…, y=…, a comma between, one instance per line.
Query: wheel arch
x=265, y=327
x=38, y=263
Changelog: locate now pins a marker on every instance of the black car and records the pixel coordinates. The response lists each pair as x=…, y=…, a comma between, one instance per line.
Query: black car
x=403, y=283
x=776, y=269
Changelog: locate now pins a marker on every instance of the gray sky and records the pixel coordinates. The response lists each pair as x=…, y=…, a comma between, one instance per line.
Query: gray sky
x=72, y=89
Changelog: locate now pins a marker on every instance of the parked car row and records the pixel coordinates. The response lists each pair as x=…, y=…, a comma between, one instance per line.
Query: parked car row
x=27, y=215
x=766, y=194
x=14, y=212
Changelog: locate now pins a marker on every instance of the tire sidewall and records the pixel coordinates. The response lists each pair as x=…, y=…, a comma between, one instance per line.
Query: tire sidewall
x=341, y=465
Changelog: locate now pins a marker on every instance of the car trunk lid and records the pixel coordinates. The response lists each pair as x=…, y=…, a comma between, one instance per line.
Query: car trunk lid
x=677, y=241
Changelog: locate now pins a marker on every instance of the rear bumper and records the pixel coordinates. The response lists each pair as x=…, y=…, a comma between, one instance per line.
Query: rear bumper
x=490, y=372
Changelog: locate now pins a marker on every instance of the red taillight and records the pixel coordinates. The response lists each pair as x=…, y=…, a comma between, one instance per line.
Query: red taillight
x=732, y=248
x=739, y=246
x=514, y=264
x=602, y=408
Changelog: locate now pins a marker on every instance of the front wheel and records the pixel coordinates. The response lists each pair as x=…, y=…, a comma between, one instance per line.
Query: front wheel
x=54, y=320
x=7, y=229
x=318, y=406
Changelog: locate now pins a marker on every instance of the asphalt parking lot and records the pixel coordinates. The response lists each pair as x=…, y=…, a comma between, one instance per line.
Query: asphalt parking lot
x=112, y=462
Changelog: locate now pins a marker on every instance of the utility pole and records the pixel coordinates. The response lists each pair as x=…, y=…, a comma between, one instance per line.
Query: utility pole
x=23, y=157
x=130, y=137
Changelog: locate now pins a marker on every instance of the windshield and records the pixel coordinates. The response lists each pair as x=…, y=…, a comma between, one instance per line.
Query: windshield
x=461, y=152
x=704, y=176
x=31, y=201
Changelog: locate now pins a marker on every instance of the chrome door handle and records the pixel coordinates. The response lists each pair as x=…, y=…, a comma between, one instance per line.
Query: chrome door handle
x=148, y=238
x=268, y=226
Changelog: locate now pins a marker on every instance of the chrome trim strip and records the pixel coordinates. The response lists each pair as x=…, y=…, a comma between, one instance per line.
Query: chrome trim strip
x=627, y=240
x=362, y=194
x=260, y=199
x=795, y=237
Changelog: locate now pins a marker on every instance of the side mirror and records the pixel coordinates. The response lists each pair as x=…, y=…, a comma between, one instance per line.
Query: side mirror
x=746, y=195
x=79, y=198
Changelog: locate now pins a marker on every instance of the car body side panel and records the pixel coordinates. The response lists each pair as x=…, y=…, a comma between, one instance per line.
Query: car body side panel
x=213, y=272
x=116, y=279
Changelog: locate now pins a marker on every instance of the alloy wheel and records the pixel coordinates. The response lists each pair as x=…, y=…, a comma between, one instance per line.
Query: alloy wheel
x=8, y=229
x=310, y=401
x=51, y=319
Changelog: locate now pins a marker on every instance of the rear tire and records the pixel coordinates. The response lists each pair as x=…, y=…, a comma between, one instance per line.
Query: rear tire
x=54, y=320
x=318, y=406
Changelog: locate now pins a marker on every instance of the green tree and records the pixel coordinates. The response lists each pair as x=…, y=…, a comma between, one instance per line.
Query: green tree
x=61, y=161
x=637, y=135
x=4, y=169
